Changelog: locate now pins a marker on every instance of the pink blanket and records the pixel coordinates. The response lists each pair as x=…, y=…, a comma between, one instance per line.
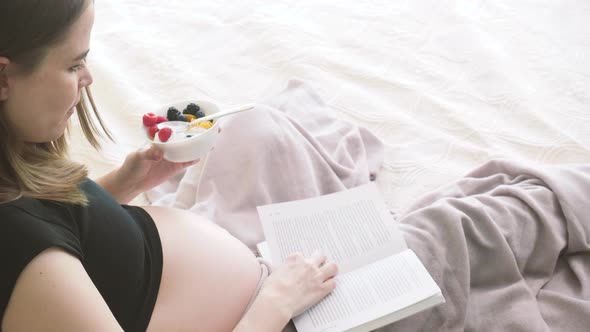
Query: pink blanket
x=509, y=245
x=293, y=146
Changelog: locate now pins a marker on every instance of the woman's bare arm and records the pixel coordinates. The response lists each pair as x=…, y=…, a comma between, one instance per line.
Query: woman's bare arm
x=54, y=293
x=267, y=314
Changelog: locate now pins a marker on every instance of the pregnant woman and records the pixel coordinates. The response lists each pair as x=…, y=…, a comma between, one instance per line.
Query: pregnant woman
x=74, y=255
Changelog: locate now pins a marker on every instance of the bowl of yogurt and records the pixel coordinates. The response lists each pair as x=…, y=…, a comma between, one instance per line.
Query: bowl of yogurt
x=186, y=141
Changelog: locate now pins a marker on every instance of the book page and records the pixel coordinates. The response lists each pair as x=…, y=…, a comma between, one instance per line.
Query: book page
x=353, y=227
x=371, y=292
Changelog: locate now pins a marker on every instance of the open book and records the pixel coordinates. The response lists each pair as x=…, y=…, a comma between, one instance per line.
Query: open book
x=380, y=280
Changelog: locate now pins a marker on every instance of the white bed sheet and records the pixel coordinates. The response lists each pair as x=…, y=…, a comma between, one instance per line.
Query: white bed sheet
x=446, y=84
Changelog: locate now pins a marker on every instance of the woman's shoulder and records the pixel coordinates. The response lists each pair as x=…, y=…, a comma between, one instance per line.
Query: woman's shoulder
x=28, y=226
x=22, y=208
x=30, y=220
x=42, y=210
x=27, y=209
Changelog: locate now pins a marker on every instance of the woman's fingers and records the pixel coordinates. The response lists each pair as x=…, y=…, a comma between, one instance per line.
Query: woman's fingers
x=190, y=163
x=317, y=259
x=325, y=269
x=328, y=270
x=302, y=281
x=151, y=153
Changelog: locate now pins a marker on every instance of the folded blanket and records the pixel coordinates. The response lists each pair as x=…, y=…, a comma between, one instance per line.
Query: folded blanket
x=509, y=245
x=291, y=147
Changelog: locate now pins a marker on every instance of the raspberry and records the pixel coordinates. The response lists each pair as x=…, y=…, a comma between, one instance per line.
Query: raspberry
x=152, y=131
x=149, y=119
x=191, y=108
x=160, y=119
x=164, y=134
x=172, y=114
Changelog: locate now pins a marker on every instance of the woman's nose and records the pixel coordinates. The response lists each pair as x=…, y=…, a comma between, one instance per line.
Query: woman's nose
x=86, y=79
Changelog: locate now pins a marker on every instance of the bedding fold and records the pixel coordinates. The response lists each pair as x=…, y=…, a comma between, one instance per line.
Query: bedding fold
x=509, y=246
x=290, y=147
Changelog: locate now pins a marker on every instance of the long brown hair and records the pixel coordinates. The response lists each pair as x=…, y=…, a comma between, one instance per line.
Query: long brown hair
x=42, y=170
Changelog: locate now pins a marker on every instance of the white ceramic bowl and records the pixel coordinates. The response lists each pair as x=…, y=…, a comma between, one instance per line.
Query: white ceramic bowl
x=191, y=148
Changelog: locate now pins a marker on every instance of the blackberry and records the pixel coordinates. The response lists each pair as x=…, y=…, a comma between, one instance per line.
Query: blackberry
x=191, y=108
x=172, y=114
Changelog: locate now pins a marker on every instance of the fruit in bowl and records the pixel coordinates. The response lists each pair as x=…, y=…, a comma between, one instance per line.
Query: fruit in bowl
x=169, y=128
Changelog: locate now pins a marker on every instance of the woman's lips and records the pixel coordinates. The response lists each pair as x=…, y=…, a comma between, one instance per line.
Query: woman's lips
x=73, y=109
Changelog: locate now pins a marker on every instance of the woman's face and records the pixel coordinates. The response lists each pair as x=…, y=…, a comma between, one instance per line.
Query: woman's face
x=38, y=105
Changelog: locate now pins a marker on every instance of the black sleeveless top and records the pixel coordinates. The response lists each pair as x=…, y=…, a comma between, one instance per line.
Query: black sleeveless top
x=118, y=246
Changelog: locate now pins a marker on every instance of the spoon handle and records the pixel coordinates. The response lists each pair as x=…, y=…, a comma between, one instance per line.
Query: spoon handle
x=224, y=113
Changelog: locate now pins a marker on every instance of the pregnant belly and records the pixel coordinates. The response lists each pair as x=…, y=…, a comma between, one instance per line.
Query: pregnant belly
x=208, y=276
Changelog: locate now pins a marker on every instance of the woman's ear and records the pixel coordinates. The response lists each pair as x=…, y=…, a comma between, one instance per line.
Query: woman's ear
x=4, y=62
